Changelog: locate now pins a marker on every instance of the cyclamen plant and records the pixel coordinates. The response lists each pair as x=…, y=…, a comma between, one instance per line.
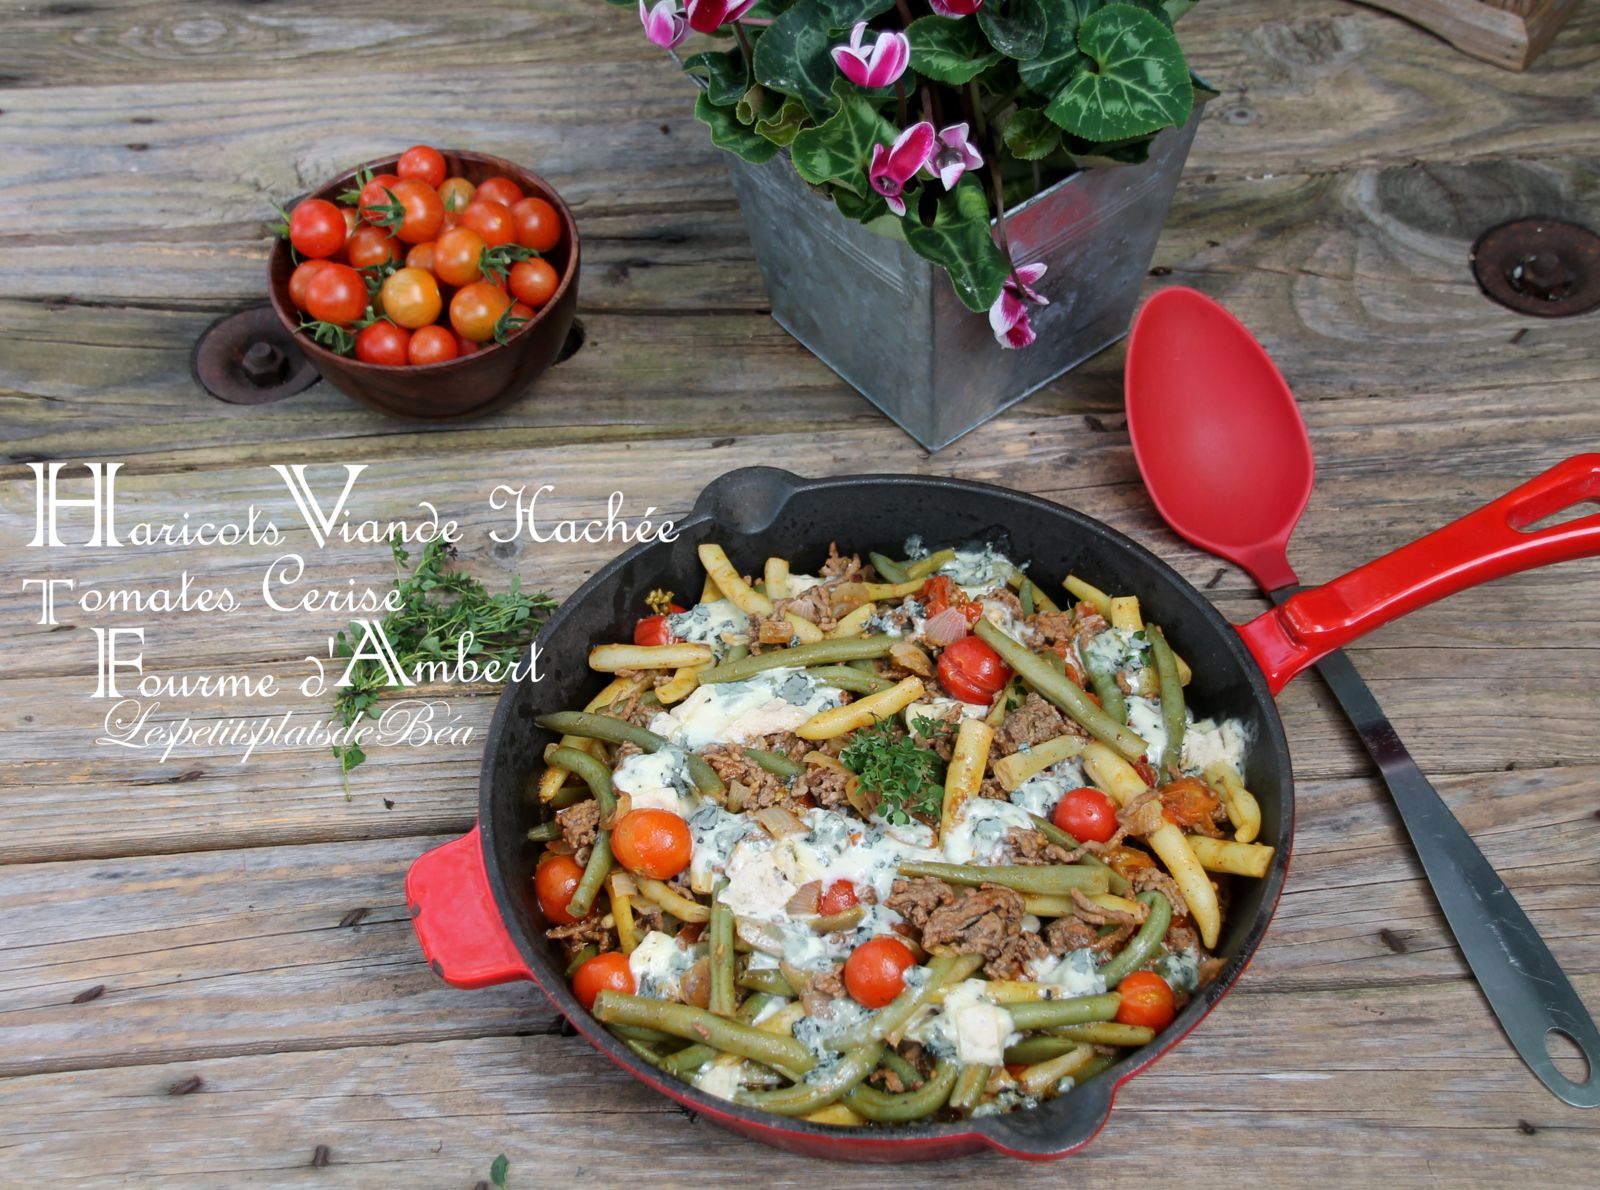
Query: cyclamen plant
x=927, y=121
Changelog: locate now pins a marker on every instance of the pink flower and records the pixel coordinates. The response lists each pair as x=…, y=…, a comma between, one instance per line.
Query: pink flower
x=956, y=8
x=894, y=166
x=707, y=16
x=664, y=24
x=878, y=65
x=953, y=155
x=1009, y=314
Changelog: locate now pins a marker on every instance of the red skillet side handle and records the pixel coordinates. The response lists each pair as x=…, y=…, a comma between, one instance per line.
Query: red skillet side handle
x=1488, y=544
x=452, y=909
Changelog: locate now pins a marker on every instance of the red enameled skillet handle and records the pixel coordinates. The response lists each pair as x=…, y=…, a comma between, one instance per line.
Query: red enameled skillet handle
x=452, y=909
x=1488, y=544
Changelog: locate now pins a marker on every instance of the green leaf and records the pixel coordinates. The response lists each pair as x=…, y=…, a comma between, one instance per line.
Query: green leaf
x=1030, y=135
x=497, y=1171
x=792, y=55
x=840, y=149
x=960, y=241
x=866, y=210
x=785, y=125
x=1176, y=8
x=1059, y=57
x=755, y=104
x=727, y=133
x=1138, y=82
x=947, y=51
x=726, y=75
x=1014, y=27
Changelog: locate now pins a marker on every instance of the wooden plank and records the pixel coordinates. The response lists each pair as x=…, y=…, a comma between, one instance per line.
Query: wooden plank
x=1509, y=33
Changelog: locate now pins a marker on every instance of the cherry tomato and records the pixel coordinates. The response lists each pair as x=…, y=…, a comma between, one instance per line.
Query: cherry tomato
x=420, y=256
x=972, y=671
x=464, y=345
x=411, y=297
x=1146, y=1000
x=838, y=897
x=352, y=220
x=538, y=225
x=875, y=972
x=317, y=229
x=940, y=592
x=653, y=630
x=500, y=189
x=554, y=881
x=337, y=294
x=432, y=345
x=369, y=246
x=456, y=193
x=608, y=972
x=1088, y=815
x=301, y=278
x=423, y=164
x=375, y=194
x=521, y=311
x=383, y=343
x=475, y=310
x=533, y=281
x=1146, y=771
x=422, y=212
x=490, y=219
x=456, y=254
x=653, y=843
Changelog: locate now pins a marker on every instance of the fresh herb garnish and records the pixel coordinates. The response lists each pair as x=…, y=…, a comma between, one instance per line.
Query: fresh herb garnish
x=497, y=1172
x=906, y=778
x=929, y=728
x=437, y=608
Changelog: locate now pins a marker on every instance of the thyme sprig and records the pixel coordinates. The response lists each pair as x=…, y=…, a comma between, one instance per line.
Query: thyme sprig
x=906, y=777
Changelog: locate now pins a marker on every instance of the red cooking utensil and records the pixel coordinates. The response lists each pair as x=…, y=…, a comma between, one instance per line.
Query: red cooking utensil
x=1223, y=450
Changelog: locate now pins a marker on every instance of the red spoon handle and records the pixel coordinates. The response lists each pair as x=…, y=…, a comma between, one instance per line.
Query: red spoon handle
x=1488, y=544
x=457, y=921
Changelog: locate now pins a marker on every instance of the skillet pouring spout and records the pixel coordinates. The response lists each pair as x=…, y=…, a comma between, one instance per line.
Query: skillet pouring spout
x=1497, y=540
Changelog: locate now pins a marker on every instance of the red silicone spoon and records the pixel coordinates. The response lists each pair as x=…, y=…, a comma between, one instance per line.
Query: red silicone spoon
x=1223, y=450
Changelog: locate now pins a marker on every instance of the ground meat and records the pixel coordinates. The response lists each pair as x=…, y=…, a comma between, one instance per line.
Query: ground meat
x=991, y=788
x=1069, y=933
x=1004, y=597
x=1114, y=940
x=1034, y=722
x=624, y=751
x=815, y=605
x=639, y=713
x=589, y=932
x=1099, y=915
x=841, y=566
x=1181, y=935
x=730, y=763
x=917, y=899
x=1142, y=816
x=1090, y=622
x=785, y=744
x=982, y=922
x=1153, y=877
x=887, y=1080
x=823, y=785
x=824, y=988
x=1054, y=626
x=1031, y=848
x=1019, y=951
x=579, y=823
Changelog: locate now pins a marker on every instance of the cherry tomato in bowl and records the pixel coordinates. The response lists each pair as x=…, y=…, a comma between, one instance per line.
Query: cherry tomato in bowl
x=875, y=972
x=554, y=881
x=422, y=163
x=652, y=842
x=383, y=342
x=1086, y=814
x=317, y=229
x=1147, y=1000
x=972, y=671
x=608, y=972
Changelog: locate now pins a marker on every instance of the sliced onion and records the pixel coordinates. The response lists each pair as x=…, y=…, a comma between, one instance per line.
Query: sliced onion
x=779, y=822
x=945, y=628
x=759, y=935
x=908, y=656
x=807, y=898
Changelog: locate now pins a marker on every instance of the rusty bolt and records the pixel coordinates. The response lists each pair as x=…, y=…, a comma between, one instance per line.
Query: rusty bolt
x=1542, y=275
x=263, y=364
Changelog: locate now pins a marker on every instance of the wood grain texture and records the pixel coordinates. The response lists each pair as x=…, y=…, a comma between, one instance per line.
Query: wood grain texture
x=166, y=922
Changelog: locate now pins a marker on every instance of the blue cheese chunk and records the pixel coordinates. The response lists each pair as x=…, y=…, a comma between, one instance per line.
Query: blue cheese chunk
x=773, y=701
x=979, y=835
x=717, y=623
x=1040, y=792
x=656, y=781
x=1076, y=973
x=658, y=965
x=979, y=571
x=970, y=1026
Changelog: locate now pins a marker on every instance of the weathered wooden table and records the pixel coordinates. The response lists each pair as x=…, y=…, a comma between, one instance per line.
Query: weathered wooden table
x=207, y=968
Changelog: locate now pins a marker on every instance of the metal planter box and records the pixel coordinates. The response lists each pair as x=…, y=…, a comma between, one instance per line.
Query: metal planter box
x=888, y=321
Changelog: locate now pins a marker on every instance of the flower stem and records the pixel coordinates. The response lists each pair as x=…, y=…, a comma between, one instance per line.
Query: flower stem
x=900, y=96
x=744, y=44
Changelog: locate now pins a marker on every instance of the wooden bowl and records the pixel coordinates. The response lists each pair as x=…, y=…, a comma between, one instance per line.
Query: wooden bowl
x=470, y=385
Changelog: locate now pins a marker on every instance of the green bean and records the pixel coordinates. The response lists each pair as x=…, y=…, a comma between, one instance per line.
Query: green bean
x=1050, y=880
x=929, y=564
x=776, y=764
x=569, y=795
x=1025, y=595
x=642, y=1050
x=1106, y=1033
x=866, y=665
x=1117, y=882
x=1172, y=716
x=619, y=731
x=908, y=1074
x=853, y=680
x=1080, y=1010
x=1057, y=662
x=969, y=1087
x=689, y=1059
x=598, y=778
x=892, y=1017
x=735, y=653
x=544, y=832
x=831, y=1085
x=1036, y=671
x=1112, y=700
x=696, y=1024
x=637, y=1033
x=1142, y=947
x=1092, y=1067
x=766, y=979
x=1031, y=594
x=891, y=570
x=724, y=997
x=887, y=1108
x=582, y=957
x=649, y=699
x=833, y=922
x=1037, y=1049
x=818, y=652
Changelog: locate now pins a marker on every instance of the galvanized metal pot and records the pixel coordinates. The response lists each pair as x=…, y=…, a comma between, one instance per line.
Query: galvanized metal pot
x=888, y=321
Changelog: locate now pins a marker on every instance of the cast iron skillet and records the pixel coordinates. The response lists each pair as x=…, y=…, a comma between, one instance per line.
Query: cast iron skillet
x=472, y=900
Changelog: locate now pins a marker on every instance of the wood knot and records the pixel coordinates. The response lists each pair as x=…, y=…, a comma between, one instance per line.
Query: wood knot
x=1526, y=1128
x=186, y=1086
x=1393, y=941
x=320, y=1156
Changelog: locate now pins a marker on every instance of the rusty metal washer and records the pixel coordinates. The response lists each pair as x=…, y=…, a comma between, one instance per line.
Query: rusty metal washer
x=1544, y=267
x=248, y=359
